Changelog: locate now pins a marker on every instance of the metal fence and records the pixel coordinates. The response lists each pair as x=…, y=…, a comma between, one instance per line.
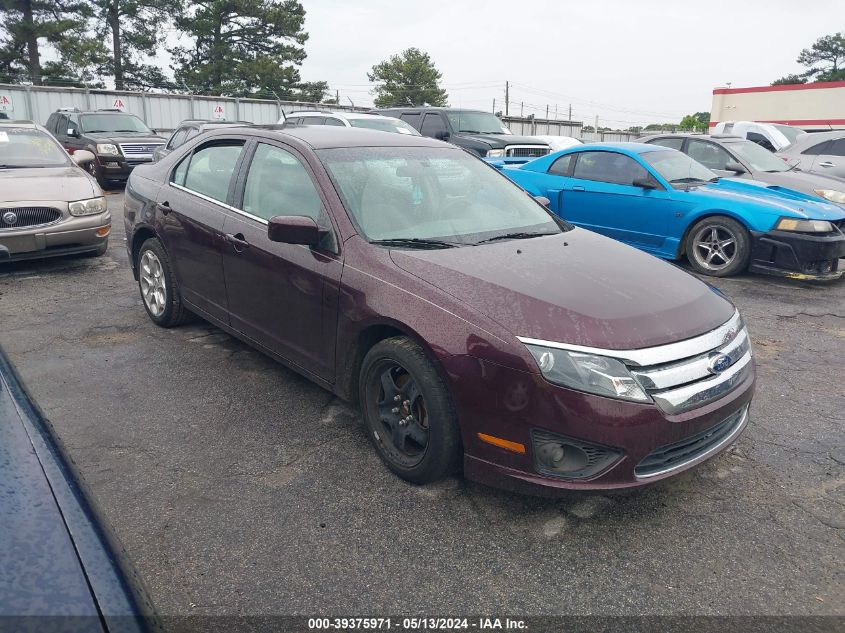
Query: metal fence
x=165, y=111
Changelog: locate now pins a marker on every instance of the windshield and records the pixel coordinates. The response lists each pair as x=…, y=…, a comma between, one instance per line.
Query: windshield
x=30, y=148
x=759, y=158
x=791, y=133
x=431, y=194
x=92, y=123
x=385, y=124
x=679, y=169
x=476, y=122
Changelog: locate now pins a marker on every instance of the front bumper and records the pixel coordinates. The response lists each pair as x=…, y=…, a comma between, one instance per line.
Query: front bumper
x=118, y=167
x=797, y=255
x=70, y=235
x=517, y=404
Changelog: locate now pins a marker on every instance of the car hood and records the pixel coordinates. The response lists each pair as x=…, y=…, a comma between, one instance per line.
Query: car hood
x=112, y=137
x=51, y=183
x=802, y=181
x=577, y=287
x=783, y=200
x=501, y=140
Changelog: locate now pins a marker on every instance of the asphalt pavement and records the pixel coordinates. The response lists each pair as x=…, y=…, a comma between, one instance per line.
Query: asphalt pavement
x=238, y=487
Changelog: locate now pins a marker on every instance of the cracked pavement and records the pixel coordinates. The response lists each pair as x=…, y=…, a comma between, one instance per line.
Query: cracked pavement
x=238, y=487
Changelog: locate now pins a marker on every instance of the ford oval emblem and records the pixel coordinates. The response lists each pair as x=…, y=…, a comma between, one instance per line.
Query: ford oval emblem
x=10, y=217
x=718, y=363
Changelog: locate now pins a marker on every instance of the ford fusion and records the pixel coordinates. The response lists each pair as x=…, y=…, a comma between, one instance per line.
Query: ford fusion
x=474, y=329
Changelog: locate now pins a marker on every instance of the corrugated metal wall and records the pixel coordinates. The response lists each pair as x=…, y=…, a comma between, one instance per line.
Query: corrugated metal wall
x=165, y=111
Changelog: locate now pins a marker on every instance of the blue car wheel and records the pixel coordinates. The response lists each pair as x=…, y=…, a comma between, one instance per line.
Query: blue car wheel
x=718, y=246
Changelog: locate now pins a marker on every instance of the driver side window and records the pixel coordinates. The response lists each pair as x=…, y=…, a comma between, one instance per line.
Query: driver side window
x=278, y=184
x=608, y=167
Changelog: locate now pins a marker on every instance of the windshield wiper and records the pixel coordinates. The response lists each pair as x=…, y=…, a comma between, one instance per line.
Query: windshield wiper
x=519, y=235
x=473, y=132
x=414, y=242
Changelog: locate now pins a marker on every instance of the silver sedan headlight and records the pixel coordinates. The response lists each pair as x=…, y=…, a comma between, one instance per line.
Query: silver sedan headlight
x=831, y=194
x=91, y=206
x=601, y=375
x=107, y=149
x=804, y=226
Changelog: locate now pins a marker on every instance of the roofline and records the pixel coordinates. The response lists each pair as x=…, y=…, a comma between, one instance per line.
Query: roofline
x=819, y=85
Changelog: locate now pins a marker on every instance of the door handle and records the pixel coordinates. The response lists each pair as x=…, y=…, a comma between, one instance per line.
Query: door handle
x=826, y=163
x=577, y=188
x=164, y=207
x=237, y=241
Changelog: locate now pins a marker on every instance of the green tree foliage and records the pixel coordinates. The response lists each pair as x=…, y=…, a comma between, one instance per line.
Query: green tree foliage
x=132, y=29
x=824, y=60
x=26, y=26
x=242, y=47
x=408, y=78
x=661, y=127
x=698, y=121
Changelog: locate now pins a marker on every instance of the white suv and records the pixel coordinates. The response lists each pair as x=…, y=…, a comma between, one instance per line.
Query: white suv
x=348, y=119
x=772, y=136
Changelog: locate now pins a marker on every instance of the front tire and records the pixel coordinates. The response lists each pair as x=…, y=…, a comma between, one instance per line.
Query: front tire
x=159, y=288
x=92, y=169
x=408, y=412
x=718, y=246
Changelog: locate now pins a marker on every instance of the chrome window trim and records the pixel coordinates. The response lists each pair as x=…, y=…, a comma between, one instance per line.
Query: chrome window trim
x=654, y=355
x=741, y=424
x=218, y=203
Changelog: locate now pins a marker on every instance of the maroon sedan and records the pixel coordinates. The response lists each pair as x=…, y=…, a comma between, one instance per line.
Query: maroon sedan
x=472, y=327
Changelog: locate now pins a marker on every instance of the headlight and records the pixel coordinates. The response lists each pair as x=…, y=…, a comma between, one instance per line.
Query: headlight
x=109, y=149
x=495, y=153
x=804, y=226
x=92, y=206
x=600, y=375
x=832, y=195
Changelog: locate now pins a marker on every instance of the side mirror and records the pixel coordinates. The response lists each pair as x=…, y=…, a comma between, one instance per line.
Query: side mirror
x=4, y=253
x=294, y=229
x=442, y=135
x=646, y=182
x=543, y=200
x=735, y=167
x=82, y=156
x=72, y=131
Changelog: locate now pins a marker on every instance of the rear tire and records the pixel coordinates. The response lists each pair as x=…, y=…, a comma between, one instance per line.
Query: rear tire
x=718, y=246
x=408, y=412
x=159, y=288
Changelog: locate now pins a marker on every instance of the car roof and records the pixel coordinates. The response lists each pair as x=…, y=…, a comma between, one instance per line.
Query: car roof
x=22, y=123
x=628, y=146
x=427, y=109
x=716, y=137
x=328, y=137
x=811, y=138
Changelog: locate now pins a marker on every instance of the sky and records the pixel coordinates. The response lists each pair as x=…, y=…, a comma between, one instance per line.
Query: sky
x=631, y=62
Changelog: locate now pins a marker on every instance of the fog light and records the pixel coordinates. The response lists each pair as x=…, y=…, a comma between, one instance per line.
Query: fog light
x=569, y=458
x=103, y=231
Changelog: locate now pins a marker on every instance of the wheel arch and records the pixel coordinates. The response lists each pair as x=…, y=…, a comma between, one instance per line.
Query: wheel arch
x=141, y=235
x=709, y=213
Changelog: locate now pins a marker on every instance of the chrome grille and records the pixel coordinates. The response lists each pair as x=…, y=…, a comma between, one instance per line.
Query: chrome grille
x=526, y=151
x=139, y=150
x=21, y=217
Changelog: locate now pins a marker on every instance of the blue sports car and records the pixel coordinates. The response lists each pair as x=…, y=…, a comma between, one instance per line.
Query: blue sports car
x=663, y=202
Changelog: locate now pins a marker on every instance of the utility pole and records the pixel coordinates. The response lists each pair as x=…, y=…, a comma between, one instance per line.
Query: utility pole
x=521, y=108
x=337, y=97
x=570, y=111
x=547, y=112
x=507, y=97
x=494, y=105
x=597, y=123
x=555, y=112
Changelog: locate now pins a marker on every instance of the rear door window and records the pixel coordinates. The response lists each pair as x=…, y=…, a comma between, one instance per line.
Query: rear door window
x=561, y=167
x=608, y=167
x=836, y=148
x=412, y=119
x=818, y=148
x=674, y=143
x=708, y=154
x=209, y=170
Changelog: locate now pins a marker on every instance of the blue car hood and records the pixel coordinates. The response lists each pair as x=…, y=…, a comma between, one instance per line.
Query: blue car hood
x=788, y=201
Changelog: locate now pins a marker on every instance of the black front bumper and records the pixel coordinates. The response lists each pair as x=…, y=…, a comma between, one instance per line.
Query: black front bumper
x=117, y=168
x=797, y=255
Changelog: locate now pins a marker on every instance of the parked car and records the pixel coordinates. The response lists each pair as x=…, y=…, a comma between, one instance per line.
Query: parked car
x=49, y=205
x=187, y=130
x=479, y=132
x=410, y=277
x=667, y=204
x=818, y=153
x=557, y=143
x=59, y=564
x=119, y=141
x=772, y=136
x=347, y=119
x=737, y=157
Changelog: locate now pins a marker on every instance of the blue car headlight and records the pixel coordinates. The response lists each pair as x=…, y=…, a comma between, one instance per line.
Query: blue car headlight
x=804, y=226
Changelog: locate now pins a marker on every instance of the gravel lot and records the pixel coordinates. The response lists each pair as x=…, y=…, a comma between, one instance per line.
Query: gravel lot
x=238, y=487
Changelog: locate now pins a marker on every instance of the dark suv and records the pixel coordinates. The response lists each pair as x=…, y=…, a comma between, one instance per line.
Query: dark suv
x=118, y=140
x=480, y=132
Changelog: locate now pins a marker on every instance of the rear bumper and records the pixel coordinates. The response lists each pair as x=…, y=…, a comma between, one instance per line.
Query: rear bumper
x=71, y=236
x=797, y=255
